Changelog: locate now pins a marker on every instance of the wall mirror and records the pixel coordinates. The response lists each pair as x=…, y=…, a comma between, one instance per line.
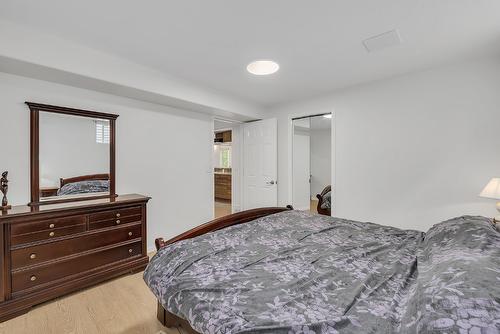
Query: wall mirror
x=72, y=154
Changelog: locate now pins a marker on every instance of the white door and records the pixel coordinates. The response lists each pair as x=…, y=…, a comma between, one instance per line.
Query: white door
x=260, y=164
x=301, y=170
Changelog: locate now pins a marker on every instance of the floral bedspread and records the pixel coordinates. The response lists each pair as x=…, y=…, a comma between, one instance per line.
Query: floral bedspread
x=84, y=187
x=294, y=272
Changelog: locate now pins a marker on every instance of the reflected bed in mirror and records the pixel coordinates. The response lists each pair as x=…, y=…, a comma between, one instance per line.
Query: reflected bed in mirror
x=72, y=154
x=97, y=183
x=80, y=185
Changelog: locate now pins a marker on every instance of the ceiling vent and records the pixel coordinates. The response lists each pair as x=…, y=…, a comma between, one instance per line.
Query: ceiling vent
x=382, y=41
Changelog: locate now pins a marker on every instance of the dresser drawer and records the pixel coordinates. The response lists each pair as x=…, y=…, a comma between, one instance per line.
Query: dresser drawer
x=29, y=256
x=116, y=214
x=115, y=222
x=24, y=228
x=33, y=277
x=47, y=234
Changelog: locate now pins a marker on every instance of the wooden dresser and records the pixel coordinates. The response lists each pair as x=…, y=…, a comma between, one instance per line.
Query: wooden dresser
x=50, y=250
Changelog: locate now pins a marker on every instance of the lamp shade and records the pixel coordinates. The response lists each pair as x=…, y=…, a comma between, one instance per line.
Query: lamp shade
x=492, y=189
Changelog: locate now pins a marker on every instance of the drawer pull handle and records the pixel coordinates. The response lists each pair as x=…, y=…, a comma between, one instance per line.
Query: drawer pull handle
x=33, y=278
x=33, y=256
x=51, y=234
x=118, y=222
x=52, y=225
x=130, y=250
x=118, y=215
x=130, y=234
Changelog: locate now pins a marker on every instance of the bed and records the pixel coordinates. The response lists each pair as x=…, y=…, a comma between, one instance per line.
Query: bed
x=277, y=270
x=325, y=201
x=84, y=184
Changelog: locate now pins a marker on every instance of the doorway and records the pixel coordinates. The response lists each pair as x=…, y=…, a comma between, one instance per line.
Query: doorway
x=311, y=161
x=226, y=167
x=249, y=155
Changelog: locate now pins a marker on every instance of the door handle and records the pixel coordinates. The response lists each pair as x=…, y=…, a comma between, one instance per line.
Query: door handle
x=271, y=182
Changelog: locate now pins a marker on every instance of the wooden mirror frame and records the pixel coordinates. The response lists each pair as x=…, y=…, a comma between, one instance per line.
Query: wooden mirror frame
x=35, y=109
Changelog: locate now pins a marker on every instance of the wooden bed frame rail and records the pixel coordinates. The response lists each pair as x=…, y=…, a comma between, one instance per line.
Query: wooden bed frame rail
x=168, y=319
x=222, y=222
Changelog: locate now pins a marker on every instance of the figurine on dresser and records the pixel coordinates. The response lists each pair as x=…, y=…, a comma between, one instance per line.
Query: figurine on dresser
x=4, y=188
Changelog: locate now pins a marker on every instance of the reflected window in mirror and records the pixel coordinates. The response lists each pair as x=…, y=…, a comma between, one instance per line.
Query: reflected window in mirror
x=102, y=131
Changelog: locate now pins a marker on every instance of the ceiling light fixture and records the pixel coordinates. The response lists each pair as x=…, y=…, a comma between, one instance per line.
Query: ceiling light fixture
x=263, y=67
x=327, y=116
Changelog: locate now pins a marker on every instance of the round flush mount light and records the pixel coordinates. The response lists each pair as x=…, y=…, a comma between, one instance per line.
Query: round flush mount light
x=327, y=116
x=263, y=67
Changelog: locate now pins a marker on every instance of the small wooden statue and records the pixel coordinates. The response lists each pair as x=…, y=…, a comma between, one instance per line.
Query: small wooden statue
x=4, y=188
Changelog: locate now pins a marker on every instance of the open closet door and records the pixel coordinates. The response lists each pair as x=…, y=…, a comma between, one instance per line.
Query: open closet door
x=260, y=164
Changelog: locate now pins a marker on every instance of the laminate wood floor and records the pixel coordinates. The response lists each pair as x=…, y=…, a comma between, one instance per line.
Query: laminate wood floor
x=123, y=305
x=313, y=208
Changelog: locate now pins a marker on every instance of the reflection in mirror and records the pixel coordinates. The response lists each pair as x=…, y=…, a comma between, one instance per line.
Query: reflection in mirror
x=74, y=156
x=312, y=163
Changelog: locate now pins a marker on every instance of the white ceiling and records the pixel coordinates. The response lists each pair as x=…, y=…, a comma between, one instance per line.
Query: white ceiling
x=318, y=44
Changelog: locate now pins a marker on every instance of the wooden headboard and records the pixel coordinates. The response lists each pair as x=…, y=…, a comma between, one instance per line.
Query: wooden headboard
x=93, y=177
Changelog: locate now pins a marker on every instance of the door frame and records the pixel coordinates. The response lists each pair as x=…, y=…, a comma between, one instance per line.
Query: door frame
x=333, y=134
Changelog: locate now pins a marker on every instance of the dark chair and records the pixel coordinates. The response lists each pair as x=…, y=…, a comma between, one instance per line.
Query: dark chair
x=321, y=201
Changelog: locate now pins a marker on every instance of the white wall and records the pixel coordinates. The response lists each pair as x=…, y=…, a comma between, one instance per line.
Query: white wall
x=150, y=160
x=59, y=136
x=409, y=151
